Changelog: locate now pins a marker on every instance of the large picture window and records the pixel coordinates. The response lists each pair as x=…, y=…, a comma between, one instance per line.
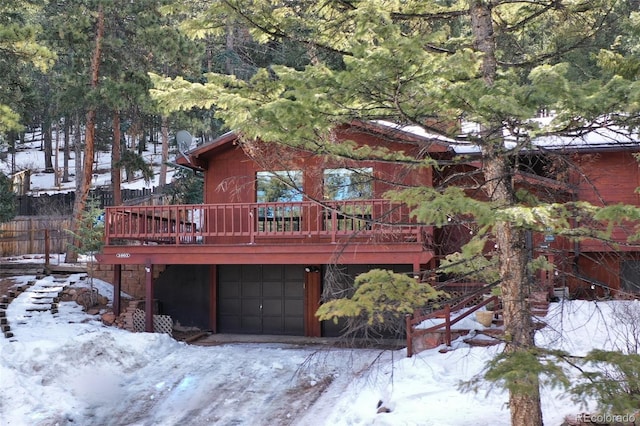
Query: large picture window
x=348, y=184
x=344, y=187
x=282, y=190
x=279, y=186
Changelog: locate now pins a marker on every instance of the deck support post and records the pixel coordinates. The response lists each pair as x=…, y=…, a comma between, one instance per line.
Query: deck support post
x=117, y=288
x=213, y=298
x=148, y=307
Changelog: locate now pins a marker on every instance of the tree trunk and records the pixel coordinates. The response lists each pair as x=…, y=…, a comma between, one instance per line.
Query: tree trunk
x=115, y=159
x=48, y=145
x=512, y=250
x=56, y=156
x=165, y=153
x=87, y=174
x=66, y=153
x=515, y=286
x=77, y=150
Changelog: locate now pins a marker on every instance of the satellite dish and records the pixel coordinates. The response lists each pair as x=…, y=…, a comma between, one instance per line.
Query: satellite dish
x=184, y=141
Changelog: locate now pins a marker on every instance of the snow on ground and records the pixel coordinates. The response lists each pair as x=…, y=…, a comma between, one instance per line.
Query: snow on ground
x=68, y=368
x=30, y=156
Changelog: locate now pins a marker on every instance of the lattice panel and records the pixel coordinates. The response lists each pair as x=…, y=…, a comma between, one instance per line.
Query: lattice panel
x=161, y=323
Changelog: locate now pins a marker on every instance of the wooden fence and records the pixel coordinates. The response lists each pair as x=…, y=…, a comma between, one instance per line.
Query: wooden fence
x=31, y=234
x=59, y=204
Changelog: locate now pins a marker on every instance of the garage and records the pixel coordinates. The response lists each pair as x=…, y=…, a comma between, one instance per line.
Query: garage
x=261, y=299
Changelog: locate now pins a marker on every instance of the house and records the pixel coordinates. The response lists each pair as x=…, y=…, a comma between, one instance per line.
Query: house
x=276, y=226
x=280, y=227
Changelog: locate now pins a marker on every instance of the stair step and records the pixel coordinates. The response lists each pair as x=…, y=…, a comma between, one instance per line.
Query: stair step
x=493, y=332
x=8, y=334
x=483, y=342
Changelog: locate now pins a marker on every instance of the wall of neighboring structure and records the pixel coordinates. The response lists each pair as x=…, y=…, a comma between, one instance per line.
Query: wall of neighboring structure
x=609, y=177
x=604, y=178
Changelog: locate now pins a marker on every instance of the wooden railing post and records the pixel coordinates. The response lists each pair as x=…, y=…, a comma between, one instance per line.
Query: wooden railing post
x=253, y=214
x=407, y=319
x=334, y=224
x=447, y=322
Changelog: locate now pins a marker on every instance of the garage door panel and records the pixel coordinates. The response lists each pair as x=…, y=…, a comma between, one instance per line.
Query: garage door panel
x=251, y=324
x=294, y=290
x=272, y=290
x=293, y=308
x=272, y=273
x=251, y=272
x=294, y=273
x=250, y=307
x=272, y=325
x=229, y=307
x=251, y=289
x=232, y=323
x=293, y=326
x=272, y=307
x=229, y=290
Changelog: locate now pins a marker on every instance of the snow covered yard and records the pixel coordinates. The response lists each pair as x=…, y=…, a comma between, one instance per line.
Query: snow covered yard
x=68, y=368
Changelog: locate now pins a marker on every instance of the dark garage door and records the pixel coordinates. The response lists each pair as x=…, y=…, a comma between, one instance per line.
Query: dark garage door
x=261, y=299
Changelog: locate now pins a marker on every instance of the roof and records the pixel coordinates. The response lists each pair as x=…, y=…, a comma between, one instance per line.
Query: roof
x=600, y=138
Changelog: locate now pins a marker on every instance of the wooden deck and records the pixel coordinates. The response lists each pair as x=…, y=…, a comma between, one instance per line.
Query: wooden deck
x=362, y=231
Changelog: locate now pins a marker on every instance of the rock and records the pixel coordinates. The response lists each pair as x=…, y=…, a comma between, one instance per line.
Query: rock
x=108, y=318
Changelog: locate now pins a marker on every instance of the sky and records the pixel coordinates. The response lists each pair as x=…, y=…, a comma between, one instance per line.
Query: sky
x=68, y=368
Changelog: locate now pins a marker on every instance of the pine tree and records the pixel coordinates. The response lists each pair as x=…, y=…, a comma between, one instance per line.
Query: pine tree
x=7, y=199
x=88, y=237
x=433, y=64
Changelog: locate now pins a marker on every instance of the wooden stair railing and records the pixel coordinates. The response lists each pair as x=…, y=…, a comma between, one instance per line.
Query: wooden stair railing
x=413, y=321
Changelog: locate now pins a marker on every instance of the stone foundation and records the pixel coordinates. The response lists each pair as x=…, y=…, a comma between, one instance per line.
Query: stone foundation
x=132, y=278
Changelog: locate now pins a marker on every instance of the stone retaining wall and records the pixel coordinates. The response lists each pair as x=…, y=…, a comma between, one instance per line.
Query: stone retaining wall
x=132, y=277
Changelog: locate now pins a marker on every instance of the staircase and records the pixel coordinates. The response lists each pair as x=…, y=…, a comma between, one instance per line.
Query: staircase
x=449, y=324
x=36, y=296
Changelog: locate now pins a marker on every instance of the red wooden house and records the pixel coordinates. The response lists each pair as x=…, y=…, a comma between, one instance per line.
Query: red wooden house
x=277, y=223
x=253, y=257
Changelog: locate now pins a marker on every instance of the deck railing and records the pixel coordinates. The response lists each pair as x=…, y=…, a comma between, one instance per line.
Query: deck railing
x=249, y=222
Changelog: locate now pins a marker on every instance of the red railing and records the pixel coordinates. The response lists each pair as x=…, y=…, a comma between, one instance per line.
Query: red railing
x=247, y=222
x=447, y=322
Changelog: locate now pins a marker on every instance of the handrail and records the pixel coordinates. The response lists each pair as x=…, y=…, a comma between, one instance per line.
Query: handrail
x=445, y=314
x=202, y=223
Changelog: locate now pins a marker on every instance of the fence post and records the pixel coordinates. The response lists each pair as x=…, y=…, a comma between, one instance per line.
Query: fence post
x=47, y=248
x=31, y=235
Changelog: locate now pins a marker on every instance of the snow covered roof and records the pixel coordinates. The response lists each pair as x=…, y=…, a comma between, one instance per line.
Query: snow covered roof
x=601, y=137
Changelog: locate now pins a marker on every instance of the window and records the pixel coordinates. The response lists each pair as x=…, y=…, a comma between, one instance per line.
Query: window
x=348, y=184
x=279, y=186
x=284, y=190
